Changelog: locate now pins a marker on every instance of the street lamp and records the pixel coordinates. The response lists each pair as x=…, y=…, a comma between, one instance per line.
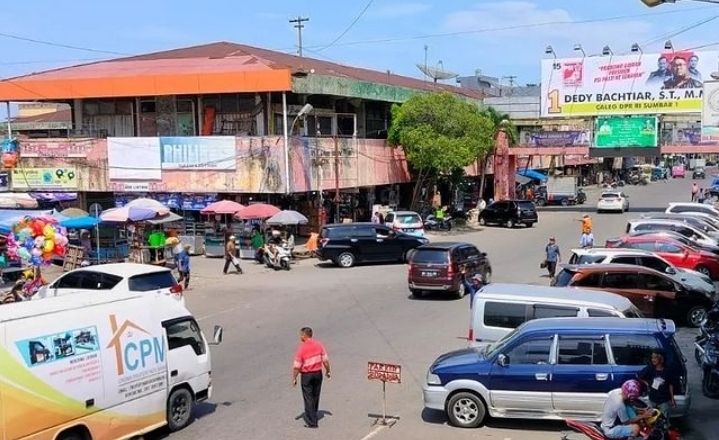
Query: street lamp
x=668, y=45
x=636, y=48
x=607, y=51
x=550, y=51
x=653, y=3
x=579, y=48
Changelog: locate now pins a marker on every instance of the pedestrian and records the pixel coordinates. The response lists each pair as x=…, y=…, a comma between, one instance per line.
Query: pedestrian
x=660, y=381
x=701, y=196
x=375, y=218
x=552, y=257
x=587, y=240
x=311, y=356
x=230, y=257
x=183, y=265
x=587, y=227
x=695, y=191
x=473, y=286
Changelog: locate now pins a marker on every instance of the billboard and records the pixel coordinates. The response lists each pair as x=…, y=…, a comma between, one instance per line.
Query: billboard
x=555, y=138
x=710, y=112
x=620, y=131
x=666, y=83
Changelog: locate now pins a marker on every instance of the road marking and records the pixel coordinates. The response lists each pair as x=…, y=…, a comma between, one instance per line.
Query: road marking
x=373, y=432
x=222, y=312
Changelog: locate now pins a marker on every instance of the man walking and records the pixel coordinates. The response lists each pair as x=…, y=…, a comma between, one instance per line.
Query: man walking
x=552, y=257
x=230, y=258
x=695, y=191
x=311, y=356
x=183, y=265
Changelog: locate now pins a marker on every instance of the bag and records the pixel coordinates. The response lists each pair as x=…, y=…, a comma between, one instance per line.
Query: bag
x=235, y=261
x=543, y=264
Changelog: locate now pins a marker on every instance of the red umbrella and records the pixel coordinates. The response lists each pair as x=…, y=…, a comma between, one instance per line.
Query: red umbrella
x=257, y=211
x=223, y=207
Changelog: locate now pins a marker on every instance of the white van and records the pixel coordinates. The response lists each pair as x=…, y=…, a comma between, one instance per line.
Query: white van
x=500, y=308
x=100, y=365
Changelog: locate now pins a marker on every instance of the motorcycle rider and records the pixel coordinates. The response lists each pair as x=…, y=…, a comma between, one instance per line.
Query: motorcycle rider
x=619, y=420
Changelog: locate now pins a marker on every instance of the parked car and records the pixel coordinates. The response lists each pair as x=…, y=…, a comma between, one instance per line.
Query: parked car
x=678, y=171
x=408, y=222
x=679, y=254
x=116, y=277
x=509, y=213
x=699, y=173
x=500, y=308
x=437, y=267
x=703, y=224
x=714, y=249
x=654, y=293
x=556, y=368
x=640, y=257
x=681, y=207
x=615, y=201
x=671, y=225
x=347, y=244
x=714, y=187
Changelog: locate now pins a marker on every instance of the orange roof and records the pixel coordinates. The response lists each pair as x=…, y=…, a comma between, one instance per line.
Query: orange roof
x=211, y=68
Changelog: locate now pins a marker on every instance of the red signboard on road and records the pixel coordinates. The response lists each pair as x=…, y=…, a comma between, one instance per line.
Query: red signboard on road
x=384, y=372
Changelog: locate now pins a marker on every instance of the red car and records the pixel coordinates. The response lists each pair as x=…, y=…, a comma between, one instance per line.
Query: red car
x=672, y=250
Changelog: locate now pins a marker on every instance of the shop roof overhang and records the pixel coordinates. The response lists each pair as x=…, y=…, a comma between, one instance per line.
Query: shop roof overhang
x=137, y=78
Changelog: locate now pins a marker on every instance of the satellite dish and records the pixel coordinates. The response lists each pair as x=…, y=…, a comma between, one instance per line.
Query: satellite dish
x=437, y=73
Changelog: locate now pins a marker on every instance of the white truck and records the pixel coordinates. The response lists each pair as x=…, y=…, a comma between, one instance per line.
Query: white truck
x=100, y=365
x=562, y=190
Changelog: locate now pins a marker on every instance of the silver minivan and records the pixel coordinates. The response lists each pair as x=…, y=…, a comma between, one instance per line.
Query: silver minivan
x=500, y=308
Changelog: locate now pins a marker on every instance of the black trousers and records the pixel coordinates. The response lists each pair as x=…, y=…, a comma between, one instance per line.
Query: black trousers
x=552, y=268
x=184, y=276
x=311, y=386
x=228, y=261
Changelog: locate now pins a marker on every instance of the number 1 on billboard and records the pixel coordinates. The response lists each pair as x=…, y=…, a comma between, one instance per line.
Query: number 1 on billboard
x=553, y=97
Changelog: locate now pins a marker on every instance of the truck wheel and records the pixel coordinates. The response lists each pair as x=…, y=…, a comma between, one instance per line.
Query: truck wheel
x=179, y=409
x=565, y=202
x=466, y=410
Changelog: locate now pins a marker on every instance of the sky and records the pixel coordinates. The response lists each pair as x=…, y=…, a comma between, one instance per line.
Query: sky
x=498, y=38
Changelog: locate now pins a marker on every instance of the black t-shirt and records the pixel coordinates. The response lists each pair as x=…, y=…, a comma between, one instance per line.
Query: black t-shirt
x=659, y=382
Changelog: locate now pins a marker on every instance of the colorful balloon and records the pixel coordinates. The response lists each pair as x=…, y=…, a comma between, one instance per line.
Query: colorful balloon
x=36, y=241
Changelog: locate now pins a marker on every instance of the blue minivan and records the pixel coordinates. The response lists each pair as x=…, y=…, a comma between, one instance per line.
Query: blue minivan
x=555, y=368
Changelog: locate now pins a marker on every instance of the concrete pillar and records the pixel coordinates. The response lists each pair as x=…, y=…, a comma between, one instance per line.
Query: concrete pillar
x=505, y=167
x=77, y=114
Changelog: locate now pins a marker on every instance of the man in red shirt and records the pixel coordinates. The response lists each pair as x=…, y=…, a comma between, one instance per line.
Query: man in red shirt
x=309, y=360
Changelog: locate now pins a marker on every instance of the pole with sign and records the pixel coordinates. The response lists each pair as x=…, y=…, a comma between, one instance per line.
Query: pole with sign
x=95, y=210
x=385, y=373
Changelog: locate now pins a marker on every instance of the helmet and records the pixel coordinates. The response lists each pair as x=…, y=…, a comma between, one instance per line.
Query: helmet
x=631, y=389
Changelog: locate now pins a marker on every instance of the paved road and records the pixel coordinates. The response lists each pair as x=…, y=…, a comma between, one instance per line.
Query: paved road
x=365, y=313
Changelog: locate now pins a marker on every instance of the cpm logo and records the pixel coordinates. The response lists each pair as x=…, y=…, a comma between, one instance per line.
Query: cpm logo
x=134, y=346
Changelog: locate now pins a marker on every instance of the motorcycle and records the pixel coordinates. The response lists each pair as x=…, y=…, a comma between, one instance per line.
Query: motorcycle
x=581, y=196
x=710, y=366
x=656, y=427
x=277, y=257
x=709, y=327
x=433, y=224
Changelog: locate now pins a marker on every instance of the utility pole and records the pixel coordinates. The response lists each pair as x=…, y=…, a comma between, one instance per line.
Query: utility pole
x=297, y=22
x=337, y=178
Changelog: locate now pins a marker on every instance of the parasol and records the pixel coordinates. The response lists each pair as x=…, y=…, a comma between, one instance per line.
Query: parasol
x=223, y=207
x=146, y=203
x=127, y=213
x=287, y=217
x=167, y=218
x=257, y=211
x=74, y=213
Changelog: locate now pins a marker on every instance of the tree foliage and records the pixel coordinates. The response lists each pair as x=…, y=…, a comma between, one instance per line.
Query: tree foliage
x=502, y=122
x=440, y=132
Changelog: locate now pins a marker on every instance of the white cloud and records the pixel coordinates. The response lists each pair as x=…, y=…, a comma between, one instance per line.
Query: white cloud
x=523, y=28
x=400, y=10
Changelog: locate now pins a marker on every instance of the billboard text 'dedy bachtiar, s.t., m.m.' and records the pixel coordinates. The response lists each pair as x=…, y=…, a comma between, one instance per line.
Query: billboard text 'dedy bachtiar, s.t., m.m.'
x=665, y=83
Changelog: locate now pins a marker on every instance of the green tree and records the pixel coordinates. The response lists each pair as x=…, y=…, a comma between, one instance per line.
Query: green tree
x=501, y=122
x=440, y=134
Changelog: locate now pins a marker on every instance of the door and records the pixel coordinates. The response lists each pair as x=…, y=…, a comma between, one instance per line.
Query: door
x=630, y=354
x=672, y=253
x=389, y=247
x=364, y=244
x=582, y=375
x=662, y=294
x=187, y=359
x=469, y=258
x=627, y=284
x=524, y=383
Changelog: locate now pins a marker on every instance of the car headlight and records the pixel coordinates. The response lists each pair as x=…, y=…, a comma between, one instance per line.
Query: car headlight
x=433, y=379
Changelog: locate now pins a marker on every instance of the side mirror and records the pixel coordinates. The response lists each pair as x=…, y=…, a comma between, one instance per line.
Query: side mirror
x=482, y=254
x=670, y=270
x=217, y=335
x=502, y=360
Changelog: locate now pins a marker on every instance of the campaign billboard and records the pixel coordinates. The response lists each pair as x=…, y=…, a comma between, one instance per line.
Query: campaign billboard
x=555, y=138
x=710, y=112
x=637, y=84
x=621, y=131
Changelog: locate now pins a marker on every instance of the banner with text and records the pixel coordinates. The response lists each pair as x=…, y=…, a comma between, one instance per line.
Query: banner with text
x=198, y=153
x=670, y=82
x=543, y=138
x=617, y=131
x=710, y=112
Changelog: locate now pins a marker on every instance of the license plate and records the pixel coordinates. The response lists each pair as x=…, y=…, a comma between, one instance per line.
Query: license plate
x=409, y=230
x=429, y=274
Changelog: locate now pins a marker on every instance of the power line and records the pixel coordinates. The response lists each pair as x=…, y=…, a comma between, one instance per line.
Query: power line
x=680, y=31
x=62, y=45
x=349, y=28
x=297, y=22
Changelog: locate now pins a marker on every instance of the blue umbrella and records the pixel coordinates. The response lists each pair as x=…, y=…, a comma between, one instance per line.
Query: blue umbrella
x=80, y=222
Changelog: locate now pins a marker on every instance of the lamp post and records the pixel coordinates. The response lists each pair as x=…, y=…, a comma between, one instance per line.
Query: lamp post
x=653, y=3
x=287, y=130
x=607, y=51
x=636, y=48
x=550, y=51
x=579, y=48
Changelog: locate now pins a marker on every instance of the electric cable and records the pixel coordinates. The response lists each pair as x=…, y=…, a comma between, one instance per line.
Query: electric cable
x=348, y=28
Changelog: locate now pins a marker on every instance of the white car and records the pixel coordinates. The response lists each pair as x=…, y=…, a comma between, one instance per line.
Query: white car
x=613, y=201
x=682, y=207
x=120, y=277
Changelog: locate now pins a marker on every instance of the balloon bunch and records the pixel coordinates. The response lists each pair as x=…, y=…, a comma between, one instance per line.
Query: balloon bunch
x=36, y=241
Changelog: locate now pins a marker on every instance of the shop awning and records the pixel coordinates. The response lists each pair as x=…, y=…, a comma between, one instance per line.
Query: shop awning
x=532, y=174
x=522, y=180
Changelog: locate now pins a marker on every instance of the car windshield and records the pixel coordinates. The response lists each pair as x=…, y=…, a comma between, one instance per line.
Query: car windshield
x=436, y=256
x=526, y=205
x=408, y=218
x=610, y=195
x=151, y=281
x=497, y=347
x=563, y=278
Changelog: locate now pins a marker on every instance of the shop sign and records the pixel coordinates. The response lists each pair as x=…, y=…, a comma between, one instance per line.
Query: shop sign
x=133, y=187
x=710, y=112
x=635, y=131
x=44, y=178
x=198, y=153
x=55, y=149
x=555, y=138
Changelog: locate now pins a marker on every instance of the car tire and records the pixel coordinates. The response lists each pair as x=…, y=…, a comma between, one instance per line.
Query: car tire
x=416, y=293
x=509, y=224
x=564, y=202
x=703, y=270
x=530, y=224
x=461, y=291
x=541, y=202
x=599, y=211
x=695, y=315
x=346, y=260
x=466, y=410
x=179, y=409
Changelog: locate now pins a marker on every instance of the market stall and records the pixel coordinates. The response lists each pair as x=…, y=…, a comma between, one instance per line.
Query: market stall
x=252, y=217
x=146, y=241
x=216, y=231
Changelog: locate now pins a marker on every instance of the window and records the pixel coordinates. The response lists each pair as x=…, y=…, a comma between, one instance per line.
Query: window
x=621, y=280
x=654, y=263
x=586, y=259
x=554, y=312
x=625, y=260
x=635, y=349
x=430, y=256
x=654, y=282
x=499, y=206
x=184, y=332
x=668, y=248
x=687, y=232
x=526, y=205
x=91, y=281
x=530, y=352
x=469, y=252
x=645, y=246
x=644, y=227
x=504, y=315
x=151, y=281
x=564, y=278
x=361, y=232
x=581, y=351
x=598, y=313
x=592, y=279
x=70, y=281
x=408, y=219
x=389, y=218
